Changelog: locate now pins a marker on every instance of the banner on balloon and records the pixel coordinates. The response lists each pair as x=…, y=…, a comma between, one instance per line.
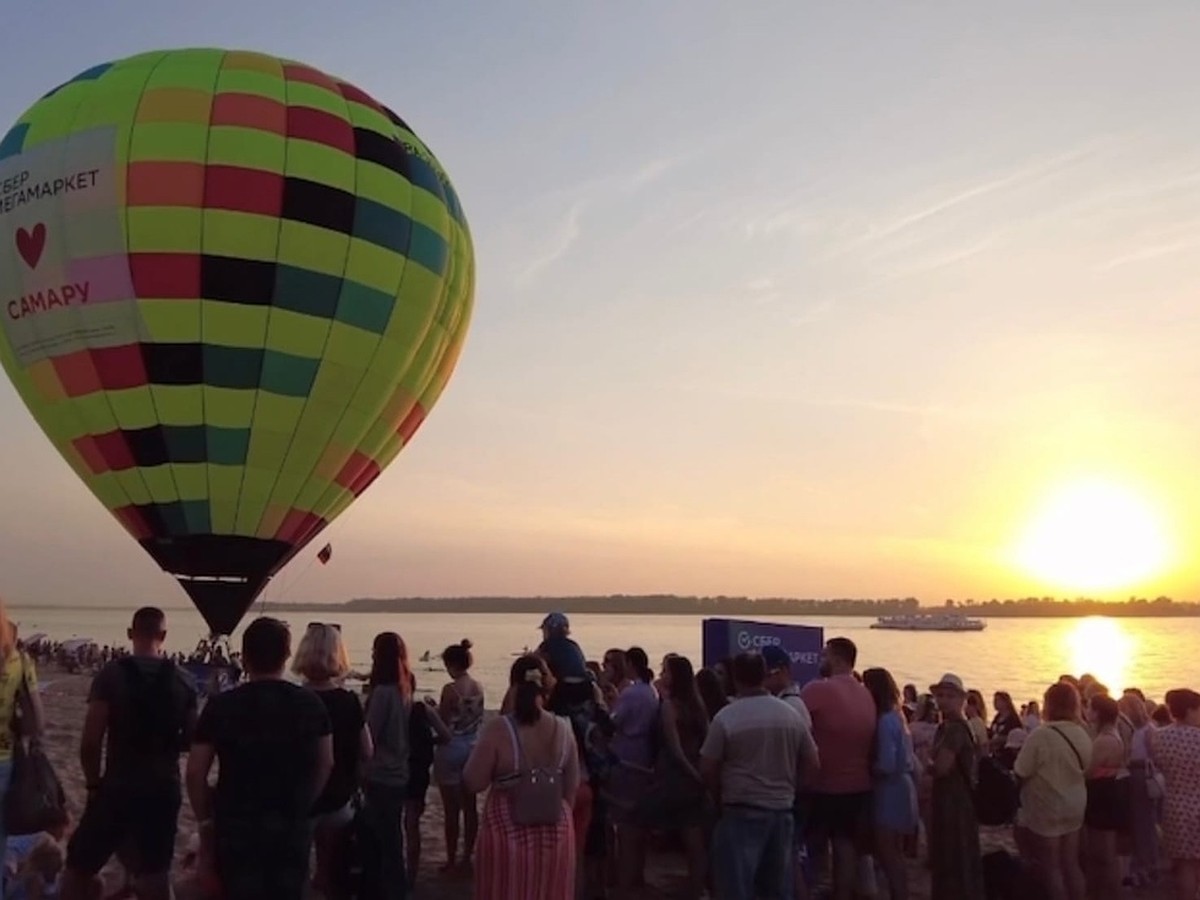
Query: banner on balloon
x=64, y=275
x=725, y=638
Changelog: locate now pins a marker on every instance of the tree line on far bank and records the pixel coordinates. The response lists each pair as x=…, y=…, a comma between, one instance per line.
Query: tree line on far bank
x=673, y=604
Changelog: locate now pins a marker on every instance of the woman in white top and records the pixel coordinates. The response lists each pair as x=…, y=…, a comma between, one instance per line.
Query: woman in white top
x=1051, y=766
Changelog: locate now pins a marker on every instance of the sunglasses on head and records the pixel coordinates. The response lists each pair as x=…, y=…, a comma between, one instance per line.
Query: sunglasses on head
x=334, y=625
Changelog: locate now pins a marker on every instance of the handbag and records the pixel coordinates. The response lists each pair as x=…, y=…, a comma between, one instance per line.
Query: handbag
x=537, y=794
x=35, y=800
x=1156, y=782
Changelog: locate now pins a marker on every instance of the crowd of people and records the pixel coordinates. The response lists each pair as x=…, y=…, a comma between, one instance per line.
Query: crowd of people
x=85, y=655
x=772, y=789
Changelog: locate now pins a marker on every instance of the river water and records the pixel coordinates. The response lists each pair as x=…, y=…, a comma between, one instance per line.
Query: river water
x=1022, y=656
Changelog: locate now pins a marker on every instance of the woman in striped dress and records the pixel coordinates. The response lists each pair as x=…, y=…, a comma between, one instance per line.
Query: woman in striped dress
x=524, y=862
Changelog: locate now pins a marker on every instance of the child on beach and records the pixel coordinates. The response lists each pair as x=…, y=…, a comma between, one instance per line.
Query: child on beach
x=32, y=865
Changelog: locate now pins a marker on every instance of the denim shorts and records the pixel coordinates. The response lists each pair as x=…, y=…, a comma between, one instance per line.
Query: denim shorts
x=450, y=759
x=752, y=854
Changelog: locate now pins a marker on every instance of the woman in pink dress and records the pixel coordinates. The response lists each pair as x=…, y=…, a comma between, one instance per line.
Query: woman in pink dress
x=524, y=862
x=1175, y=750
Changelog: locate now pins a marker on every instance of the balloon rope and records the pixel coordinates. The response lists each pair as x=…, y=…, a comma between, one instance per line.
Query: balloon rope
x=283, y=591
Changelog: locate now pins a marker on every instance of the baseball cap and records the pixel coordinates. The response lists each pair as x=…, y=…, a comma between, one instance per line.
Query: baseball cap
x=776, y=658
x=556, y=621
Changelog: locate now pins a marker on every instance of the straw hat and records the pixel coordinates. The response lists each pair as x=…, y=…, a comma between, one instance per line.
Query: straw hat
x=949, y=680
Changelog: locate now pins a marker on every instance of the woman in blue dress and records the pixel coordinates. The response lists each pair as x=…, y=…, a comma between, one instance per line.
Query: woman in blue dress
x=895, y=789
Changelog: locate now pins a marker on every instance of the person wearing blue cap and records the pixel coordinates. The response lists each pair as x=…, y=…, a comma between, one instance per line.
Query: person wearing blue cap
x=566, y=661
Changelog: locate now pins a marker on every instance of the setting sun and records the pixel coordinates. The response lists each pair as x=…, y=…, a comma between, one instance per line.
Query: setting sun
x=1094, y=535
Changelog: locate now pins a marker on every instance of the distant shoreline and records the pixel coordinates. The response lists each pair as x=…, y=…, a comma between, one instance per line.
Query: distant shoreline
x=746, y=607
x=732, y=607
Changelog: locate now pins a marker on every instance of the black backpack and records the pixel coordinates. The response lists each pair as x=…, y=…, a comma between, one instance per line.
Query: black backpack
x=997, y=795
x=154, y=723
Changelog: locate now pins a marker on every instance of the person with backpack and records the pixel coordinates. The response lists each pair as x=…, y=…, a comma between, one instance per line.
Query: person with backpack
x=529, y=764
x=143, y=707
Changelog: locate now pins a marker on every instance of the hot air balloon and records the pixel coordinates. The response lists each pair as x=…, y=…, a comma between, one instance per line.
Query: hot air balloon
x=232, y=287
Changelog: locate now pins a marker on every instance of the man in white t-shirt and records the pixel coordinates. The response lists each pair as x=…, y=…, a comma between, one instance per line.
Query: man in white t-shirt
x=751, y=760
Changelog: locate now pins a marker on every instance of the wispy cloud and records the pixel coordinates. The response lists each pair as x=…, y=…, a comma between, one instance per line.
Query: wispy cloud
x=935, y=261
x=962, y=196
x=868, y=404
x=578, y=201
x=554, y=247
x=1151, y=251
x=812, y=313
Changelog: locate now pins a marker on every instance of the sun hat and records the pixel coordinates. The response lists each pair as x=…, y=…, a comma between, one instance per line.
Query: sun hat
x=949, y=680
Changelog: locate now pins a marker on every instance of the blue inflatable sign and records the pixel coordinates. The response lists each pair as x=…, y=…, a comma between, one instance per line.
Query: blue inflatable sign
x=725, y=638
x=212, y=679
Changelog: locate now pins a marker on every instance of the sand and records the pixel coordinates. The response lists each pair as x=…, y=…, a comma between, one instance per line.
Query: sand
x=64, y=697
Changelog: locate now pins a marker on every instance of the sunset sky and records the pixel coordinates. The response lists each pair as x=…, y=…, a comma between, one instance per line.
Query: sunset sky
x=773, y=299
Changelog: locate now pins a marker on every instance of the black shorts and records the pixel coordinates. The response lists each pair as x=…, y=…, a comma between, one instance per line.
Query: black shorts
x=140, y=822
x=418, y=785
x=841, y=816
x=264, y=858
x=1108, y=804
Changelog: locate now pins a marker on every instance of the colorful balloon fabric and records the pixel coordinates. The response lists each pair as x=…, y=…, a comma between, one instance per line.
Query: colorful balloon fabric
x=232, y=288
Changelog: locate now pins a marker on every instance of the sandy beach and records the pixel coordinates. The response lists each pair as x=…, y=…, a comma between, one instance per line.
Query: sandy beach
x=65, y=696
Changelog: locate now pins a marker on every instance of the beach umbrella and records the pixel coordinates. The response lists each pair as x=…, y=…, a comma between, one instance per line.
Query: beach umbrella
x=232, y=287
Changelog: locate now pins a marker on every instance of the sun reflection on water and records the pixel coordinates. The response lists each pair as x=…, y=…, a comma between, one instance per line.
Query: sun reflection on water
x=1103, y=648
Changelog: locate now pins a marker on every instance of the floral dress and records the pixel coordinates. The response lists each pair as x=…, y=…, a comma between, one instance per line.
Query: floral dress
x=1176, y=753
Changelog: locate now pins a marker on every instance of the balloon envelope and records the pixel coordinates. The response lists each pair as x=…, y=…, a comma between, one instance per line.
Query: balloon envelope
x=232, y=287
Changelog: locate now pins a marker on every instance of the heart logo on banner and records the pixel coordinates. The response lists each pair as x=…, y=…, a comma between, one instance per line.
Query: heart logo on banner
x=30, y=244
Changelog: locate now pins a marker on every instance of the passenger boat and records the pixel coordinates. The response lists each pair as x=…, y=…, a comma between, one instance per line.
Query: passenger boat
x=930, y=622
